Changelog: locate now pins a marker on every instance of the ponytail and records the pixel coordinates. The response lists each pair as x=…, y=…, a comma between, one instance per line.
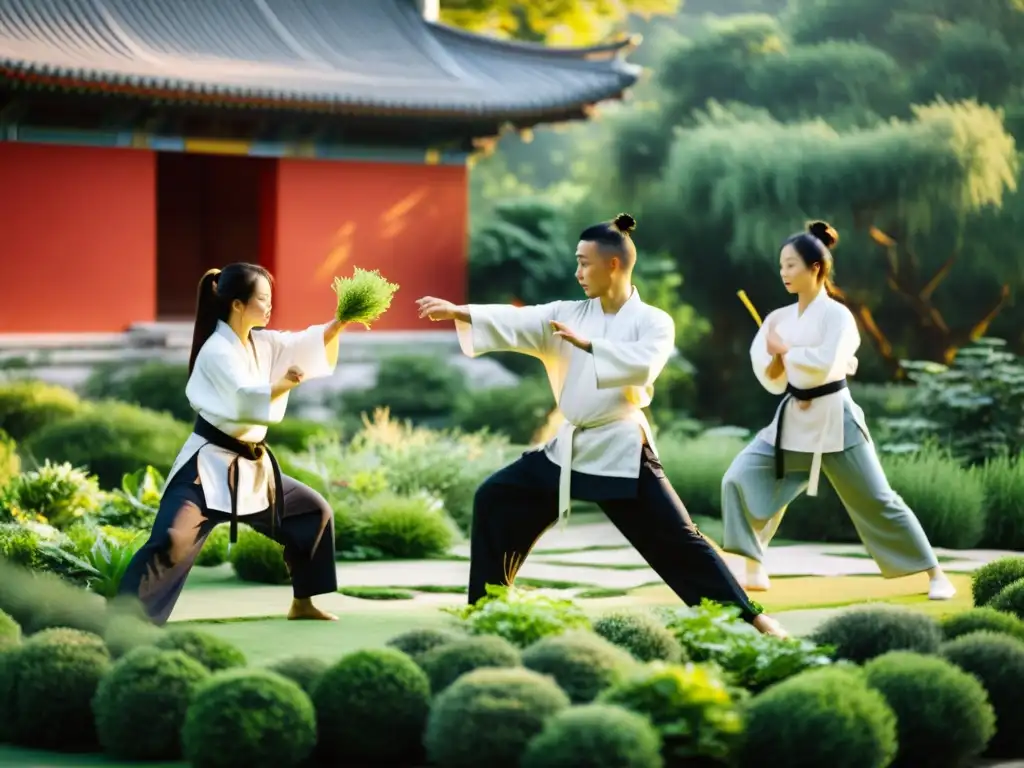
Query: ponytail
x=209, y=310
x=832, y=289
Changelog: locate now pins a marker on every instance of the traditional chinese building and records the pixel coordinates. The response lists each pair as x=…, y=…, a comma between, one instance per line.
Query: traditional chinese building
x=144, y=141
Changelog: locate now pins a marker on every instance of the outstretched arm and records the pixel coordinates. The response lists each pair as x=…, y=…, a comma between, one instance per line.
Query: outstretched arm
x=484, y=328
x=314, y=350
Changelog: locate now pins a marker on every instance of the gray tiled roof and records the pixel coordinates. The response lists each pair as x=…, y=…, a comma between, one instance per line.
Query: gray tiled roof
x=324, y=55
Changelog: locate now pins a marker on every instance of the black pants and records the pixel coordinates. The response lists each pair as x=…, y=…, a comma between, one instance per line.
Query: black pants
x=517, y=504
x=158, y=570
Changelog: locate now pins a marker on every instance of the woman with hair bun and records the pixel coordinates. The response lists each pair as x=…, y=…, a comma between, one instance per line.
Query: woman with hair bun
x=240, y=376
x=804, y=352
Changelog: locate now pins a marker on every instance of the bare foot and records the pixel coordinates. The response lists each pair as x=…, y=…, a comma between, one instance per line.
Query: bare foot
x=304, y=610
x=757, y=578
x=766, y=625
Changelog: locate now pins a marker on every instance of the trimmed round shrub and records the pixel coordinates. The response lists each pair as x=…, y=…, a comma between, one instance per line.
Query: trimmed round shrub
x=419, y=641
x=125, y=633
x=984, y=618
x=689, y=705
x=583, y=664
x=112, y=440
x=998, y=661
x=209, y=650
x=490, y=715
x=150, y=681
x=248, y=717
x=595, y=736
x=371, y=707
x=56, y=682
x=215, y=548
x=10, y=631
x=259, y=559
x=68, y=636
x=1010, y=599
x=28, y=406
x=641, y=634
x=405, y=527
x=822, y=717
x=943, y=715
x=447, y=663
x=157, y=385
x=989, y=580
x=303, y=670
x=862, y=633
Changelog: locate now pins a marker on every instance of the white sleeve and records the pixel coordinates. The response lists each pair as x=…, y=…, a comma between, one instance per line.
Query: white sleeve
x=215, y=387
x=635, y=363
x=504, y=328
x=305, y=349
x=760, y=359
x=839, y=345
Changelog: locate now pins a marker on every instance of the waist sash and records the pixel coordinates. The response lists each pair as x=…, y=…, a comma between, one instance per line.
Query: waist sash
x=243, y=450
x=804, y=395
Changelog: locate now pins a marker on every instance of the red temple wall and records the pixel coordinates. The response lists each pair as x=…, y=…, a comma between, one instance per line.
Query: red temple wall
x=77, y=238
x=408, y=221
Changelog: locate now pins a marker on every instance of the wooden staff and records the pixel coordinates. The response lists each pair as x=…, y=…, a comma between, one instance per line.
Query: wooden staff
x=749, y=305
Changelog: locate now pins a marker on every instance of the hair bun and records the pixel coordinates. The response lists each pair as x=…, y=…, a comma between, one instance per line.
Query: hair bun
x=624, y=223
x=824, y=232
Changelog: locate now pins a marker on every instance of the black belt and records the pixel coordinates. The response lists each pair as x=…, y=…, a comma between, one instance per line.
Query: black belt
x=242, y=450
x=792, y=393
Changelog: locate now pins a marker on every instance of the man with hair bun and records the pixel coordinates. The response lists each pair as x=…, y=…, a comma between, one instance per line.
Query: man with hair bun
x=602, y=356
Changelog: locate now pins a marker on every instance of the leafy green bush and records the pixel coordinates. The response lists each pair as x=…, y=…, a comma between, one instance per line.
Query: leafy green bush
x=405, y=527
x=134, y=505
x=10, y=632
x=715, y=633
x=997, y=660
x=975, y=407
x=209, y=650
x=641, y=634
x=822, y=717
x=490, y=714
x=59, y=494
x=259, y=559
x=159, y=683
x=943, y=715
x=595, y=736
x=862, y=633
x=112, y=440
x=20, y=545
x=10, y=461
x=297, y=434
x=986, y=618
x=1011, y=599
x=820, y=518
x=126, y=631
x=520, y=616
x=156, y=385
x=1002, y=477
x=446, y=663
x=582, y=663
x=949, y=502
x=689, y=705
x=304, y=670
x=249, y=717
x=56, y=682
x=215, y=548
x=517, y=412
x=26, y=407
x=416, y=642
x=371, y=708
x=439, y=386
x=696, y=467
x=989, y=580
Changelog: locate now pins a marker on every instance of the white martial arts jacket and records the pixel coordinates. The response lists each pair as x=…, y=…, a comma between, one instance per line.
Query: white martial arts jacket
x=823, y=343
x=600, y=394
x=230, y=388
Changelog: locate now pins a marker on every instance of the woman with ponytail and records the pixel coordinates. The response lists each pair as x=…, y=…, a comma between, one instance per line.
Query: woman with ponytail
x=804, y=352
x=240, y=375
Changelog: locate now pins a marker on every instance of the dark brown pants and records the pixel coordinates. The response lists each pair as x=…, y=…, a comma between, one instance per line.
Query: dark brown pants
x=157, y=573
x=517, y=504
